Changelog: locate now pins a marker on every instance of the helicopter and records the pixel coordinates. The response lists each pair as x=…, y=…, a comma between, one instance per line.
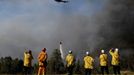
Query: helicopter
x=61, y=1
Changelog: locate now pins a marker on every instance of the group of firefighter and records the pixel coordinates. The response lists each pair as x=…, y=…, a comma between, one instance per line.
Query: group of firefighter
x=70, y=62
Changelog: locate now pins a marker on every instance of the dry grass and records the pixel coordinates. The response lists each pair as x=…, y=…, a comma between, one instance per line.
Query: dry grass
x=122, y=73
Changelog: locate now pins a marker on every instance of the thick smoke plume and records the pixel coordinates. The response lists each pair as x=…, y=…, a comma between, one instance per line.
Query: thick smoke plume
x=120, y=21
x=81, y=25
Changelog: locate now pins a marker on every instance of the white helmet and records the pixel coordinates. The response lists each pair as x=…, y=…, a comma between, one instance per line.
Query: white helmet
x=116, y=49
x=102, y=51
x=70, y=51
x=87, y=53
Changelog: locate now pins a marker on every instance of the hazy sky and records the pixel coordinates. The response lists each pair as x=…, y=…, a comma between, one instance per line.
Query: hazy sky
x=35, y=24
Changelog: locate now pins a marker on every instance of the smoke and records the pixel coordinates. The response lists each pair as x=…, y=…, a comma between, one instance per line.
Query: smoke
x=34, y=24
x=120, y=24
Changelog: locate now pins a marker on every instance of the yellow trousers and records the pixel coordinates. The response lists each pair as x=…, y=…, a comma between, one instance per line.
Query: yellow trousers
x=42, y=70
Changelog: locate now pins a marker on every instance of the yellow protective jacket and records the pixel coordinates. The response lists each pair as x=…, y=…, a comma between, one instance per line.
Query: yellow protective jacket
x=115, y=57
x=27, y=59
x=103, y=60
x=70, y=59
x=88, y=62
x=42, y=57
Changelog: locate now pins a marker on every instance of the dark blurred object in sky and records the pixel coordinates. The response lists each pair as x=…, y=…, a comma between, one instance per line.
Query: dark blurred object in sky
x=61, y=1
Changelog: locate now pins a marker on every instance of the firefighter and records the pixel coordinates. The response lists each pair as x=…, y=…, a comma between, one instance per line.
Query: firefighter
x=115, y=60
x=42, y=59
x=88, y=64
x=70, y=62
x=103, y=62
x=28, y=62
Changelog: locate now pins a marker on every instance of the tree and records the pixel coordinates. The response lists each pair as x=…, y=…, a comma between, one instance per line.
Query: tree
x=6, y=68
x=55, y=62
x=10, y=66
x=78, y=69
